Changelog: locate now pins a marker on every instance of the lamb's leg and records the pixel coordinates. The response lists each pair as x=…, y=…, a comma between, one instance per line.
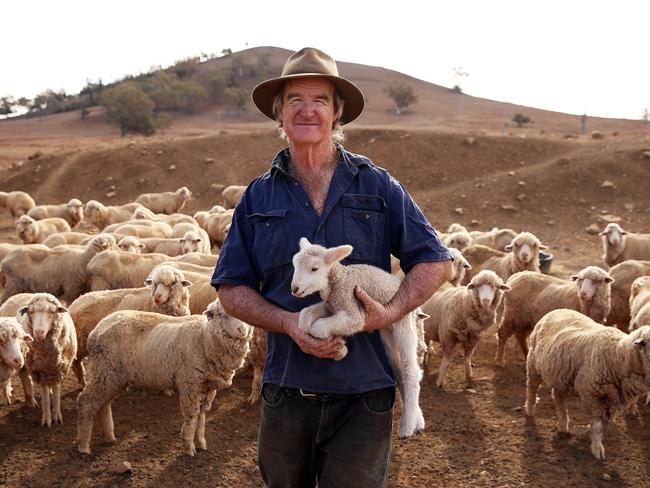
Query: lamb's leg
x=311, y=314
x=56, y=404
x=28, y=388
x=255, y=385
x=78, y=368
x=190, y=408
x=46, y=406
x=533, y=381
x=341, y=323
x=596, y=434
x=559, y=397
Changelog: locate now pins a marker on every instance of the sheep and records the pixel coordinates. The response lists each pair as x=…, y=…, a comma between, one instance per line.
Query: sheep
x=604, y=366
x=198, y=258
x=533, y=294
x=130, y=244
x=422, y=350
x=217, y=226
x=181, y=230
x=59, y=271
x=455, y=227
x=52, y=351
x=335, y=283
x=190, y=242
x=207, y=271
x=619, y=246
x=640, y=303
x=7, y=248
x=457, y=240
x=62, y=238
x=458, y=315
x=496, y=238
x=72, y=212
x=10, y=307
x=33, y=231
x=98, y=215
x=17, y=202
x=458, y=269
x=141, y=213
x=158, y=229
x=13, y=351
x=167, y=202
x=216, y=209
x=189, y=354
x=624, y=274
x=202, y=293
x=231, y=195
x=256, y=357
x=165, y=292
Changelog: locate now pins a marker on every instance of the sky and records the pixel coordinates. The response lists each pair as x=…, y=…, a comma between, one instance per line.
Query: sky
x=571, y=56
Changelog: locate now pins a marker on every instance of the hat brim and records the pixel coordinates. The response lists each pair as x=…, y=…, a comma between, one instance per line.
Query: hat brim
x=264, y=93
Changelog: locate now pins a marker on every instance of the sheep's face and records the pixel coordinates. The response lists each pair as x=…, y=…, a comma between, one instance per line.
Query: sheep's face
x=102, y=242
x=638, y=285
x=456, y=228
x=11, y=338
x=311, y=266
x=130, y=244
x=525, y=247
x=185, y=193
x=233, y=327
x=459, y=240
x=92, y=211
x=613, y=235
x=190, y=243
x=488, y=289
x=641, y=340
x=26, y=229
x=76, y=209
x=40, y=314
x=166, y=285
x=590, y=281
x=459, y=266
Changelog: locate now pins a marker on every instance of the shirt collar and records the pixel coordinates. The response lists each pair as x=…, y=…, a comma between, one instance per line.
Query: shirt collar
x=350, y=161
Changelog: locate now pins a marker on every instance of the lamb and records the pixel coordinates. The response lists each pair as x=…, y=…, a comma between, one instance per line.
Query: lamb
x=13, y=351
x=189, y=354
x=336, y=284
x=256, y=358
x=167, y=202
x=52, y=352
x=458, y=315
x=62, y=238
x=533, y=295
x=231, y=195
x=32, y=231
x=98, y=215
x=72, y=212
x=166, y=292
x=619, y=246
x=59, y=271
x=496, y=238
x=17, y=202
x=605, y=367
x=130, y=244
x=640, y=303
x=624, y=274
x=458, y=240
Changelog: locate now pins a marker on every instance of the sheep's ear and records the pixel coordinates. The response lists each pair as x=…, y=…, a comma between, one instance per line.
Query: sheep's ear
x=148, y=282
x=508, y=247
x=471, y=286
x=609, y=279
x=140, y=245
x=623, y=233
x=466, y=265
x=603, y=233
x=186, y=283
x=639, y=343
x=23, y=311
x=542, y=246
x=304, y=243
x=338, y=253
x=423, y=316
x=197, y=240
x=28, y=338
x=505, y=287
x=61, y=309
x=574, y=278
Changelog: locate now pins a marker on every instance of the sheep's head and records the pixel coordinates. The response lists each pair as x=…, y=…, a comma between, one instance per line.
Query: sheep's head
x=487, y=289
x=217, y=209
x=233, y=327
x=641, y=341
x=94, y=211
x=458, y=240
x=311, y=266
x=613, y=235
x=101, y=242
x=459, y=266
x=168, y=289
x=26, y=229
x=642, y=282
x=75, y=209
x=130, y=244
x=456, y=228
x=12, y=336
x=184, y=193
x=525, y=246
x=41, y=315
x=190, y=242
x=592, y=281
x=143, y=213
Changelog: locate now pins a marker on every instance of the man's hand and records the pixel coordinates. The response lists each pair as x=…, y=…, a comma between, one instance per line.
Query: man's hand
x=378, y=316
x=321, y=348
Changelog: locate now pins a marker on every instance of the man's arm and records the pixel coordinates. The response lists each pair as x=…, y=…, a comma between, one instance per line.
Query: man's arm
x=416, y=288
x=249, y=306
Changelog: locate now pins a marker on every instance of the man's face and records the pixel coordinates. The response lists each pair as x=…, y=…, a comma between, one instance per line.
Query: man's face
x=307, y=110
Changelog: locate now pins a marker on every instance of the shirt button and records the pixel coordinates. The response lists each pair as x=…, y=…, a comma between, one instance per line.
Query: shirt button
x=295, y=183
x=267, y=224
x=306, y=204
x=367, y=216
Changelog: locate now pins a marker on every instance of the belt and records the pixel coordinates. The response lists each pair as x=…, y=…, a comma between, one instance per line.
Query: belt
x=318, y=396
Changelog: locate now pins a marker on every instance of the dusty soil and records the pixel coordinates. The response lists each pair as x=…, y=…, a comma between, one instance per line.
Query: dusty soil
x=474, y=437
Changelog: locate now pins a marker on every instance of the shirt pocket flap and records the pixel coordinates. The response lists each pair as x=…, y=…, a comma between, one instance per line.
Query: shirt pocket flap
x=259, y=216
x=273, y=234
x=372, y=203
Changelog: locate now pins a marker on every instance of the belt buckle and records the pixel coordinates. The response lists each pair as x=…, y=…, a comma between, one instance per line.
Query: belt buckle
x=302, y=393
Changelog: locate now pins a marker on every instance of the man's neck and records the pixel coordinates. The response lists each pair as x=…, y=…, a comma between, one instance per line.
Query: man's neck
x=312, y=157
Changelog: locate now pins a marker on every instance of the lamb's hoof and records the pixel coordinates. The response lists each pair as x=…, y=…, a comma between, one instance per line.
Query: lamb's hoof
x=440, y=386
x=46, y=422
x=84, y=450
x=598, y=450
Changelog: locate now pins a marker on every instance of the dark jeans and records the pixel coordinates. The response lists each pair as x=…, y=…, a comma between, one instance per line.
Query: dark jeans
x=336, y=441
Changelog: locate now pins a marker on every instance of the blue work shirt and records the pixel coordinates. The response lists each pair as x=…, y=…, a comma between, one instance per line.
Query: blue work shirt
x=366, y=208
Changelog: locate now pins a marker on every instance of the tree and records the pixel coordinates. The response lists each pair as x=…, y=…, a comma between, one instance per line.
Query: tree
x=226, y=52
x=521, y=120
x=213, y=80
x=402, y=94
x=190, y=96
x=130, y=108
x=236, y=97
x=6, y=105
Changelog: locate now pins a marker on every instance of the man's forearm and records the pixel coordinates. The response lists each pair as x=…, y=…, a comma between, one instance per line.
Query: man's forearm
x=249, y=306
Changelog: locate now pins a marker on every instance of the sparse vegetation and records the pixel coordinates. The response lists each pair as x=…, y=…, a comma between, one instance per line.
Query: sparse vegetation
x=130, y=108
x=521, y=120
x=402, y=94
x=236, y=97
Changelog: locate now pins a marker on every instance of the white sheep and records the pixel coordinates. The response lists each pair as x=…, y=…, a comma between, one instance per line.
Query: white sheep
x=168, y=202
x=17, y=202
x=191, y=355
x=62, y=238
x=13, y=352
x=317, y=269
x=455, y=227
x=174, y=246
x=143, y=213
x=256, y=358
x=33, y=231
x=59, y=271
x=217, y=225
x=52, y=352
x=458, y=315
x=130, y=244
x=141, y=229
x=533, y=295
x=459, y=267
x=98, y=215
x=231, y=195
x=202, y=293
x=496, y=238
x=458, y=240
x=640, y=303
x=72, y=212
x=605, y=367
x=7, y=248
x=624, y=274
x=619, y=246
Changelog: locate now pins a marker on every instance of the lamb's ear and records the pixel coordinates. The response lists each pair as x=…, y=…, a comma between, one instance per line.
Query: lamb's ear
x=304, y=243
x=505, y=287
x=338, y=253
x=639, y=343
x=542, y=246
x=609, y=279
x=148, y=282
x=186, y=283
x=423, y=316
x=574, y=278
x=508, y=247
x=466, y=265
x=23, y=311
x=61, y=309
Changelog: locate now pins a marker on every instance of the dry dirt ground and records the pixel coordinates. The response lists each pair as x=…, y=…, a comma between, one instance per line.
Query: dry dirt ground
x=475, y=436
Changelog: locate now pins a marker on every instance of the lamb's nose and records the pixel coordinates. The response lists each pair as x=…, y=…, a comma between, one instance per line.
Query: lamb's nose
x=294, y=290
x=18, y=362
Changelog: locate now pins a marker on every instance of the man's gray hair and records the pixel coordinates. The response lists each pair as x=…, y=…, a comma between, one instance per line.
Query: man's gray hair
x=337, y=128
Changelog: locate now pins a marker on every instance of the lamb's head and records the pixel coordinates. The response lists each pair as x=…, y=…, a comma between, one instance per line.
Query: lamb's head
x=26, y=228
x=184, y=192
x=143, y=213
x=12, y=337
x=235, y=328
x=459, y=266
x=456, y=228
x=487, y=289
x=168, y=290
x=190, y=242
x=458, y=240
x=613, y=235
x=94, y=212
x=75, y=209
x=130, y=244
x=101, y=242
x=525, y=247
x=641, y=340
x=41, y=315
x=311, y=266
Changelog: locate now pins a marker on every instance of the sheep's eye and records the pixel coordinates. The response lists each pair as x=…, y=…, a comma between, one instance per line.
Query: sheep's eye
x=209, y=315
x=314, y=269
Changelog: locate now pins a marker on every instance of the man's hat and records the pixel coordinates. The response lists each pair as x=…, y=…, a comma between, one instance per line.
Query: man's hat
x=306, y=63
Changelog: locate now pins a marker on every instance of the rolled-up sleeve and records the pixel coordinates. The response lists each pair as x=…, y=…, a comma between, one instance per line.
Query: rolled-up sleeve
x=413, y=240
x=235, y=266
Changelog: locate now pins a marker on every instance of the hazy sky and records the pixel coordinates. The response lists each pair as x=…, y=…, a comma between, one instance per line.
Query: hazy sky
x=571, y=56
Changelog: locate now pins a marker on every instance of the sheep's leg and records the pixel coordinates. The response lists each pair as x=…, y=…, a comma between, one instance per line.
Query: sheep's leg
x=533, y=381
x=442, y=372
x=559, y=397
x=190, y=407
x=28, y=388
x=78, y=368
x=255, y=385
x=596, y=434
x=503, y=334
x=201, y=443
x=56, y=404
x=106, y=425
x=522, y=340
x=311, y=314
x=341, y=323
x=46, y=407
x=5, y=392
x=469, y=350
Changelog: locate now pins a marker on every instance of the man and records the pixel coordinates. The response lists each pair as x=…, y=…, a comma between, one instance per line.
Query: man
x=322, y=420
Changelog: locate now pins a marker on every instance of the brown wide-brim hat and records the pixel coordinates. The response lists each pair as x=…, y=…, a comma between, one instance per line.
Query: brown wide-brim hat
x=307, y=63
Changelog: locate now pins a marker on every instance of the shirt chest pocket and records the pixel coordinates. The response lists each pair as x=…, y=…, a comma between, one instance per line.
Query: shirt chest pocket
x=365, y=227
x=273, y=243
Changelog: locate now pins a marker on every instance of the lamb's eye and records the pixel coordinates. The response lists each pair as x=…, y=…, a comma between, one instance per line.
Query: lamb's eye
x=314, y=269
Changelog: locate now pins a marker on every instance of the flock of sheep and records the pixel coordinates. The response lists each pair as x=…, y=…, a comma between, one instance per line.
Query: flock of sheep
x=128, y=288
